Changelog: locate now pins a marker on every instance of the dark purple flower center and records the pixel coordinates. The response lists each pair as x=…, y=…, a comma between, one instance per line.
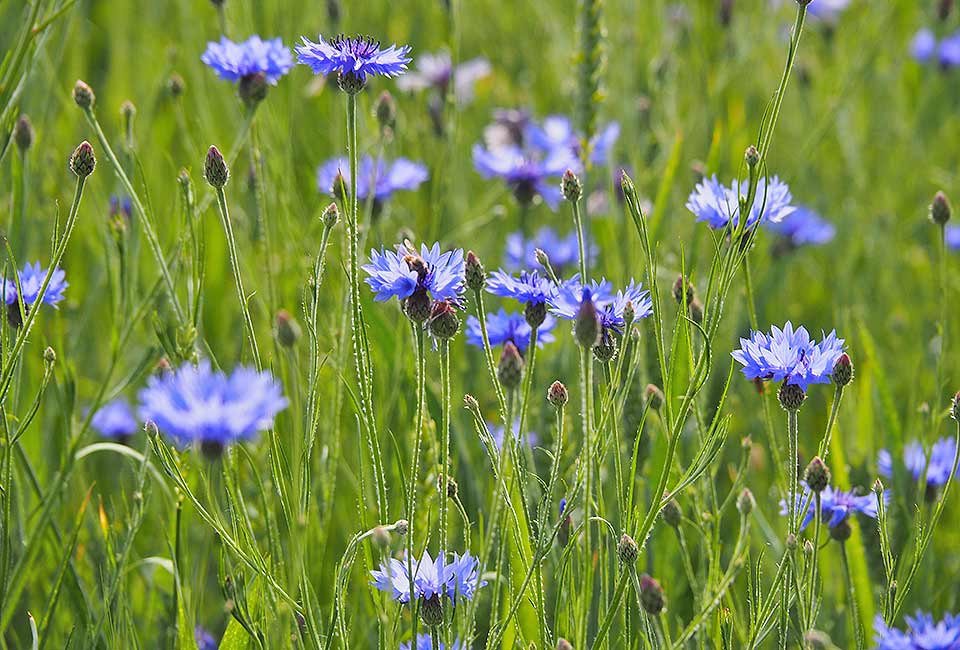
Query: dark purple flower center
x=360, y=47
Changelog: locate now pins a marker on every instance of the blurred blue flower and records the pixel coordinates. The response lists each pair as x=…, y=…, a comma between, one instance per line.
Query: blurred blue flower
x=120, y=205
x=31, y=280
x=357, y=56
x=716, y=203
x=921, y=634
x=115, y=420
x=923, y=46
x=529, y=288
x=557, y=132
x=425, y=643
x=528, y=172
x=563, y=504
x=382, y=177
x=953, y=237
x=564, y=252
x=789, y=355
x=402, y=272
x=566, y=301
x=835, y=505
x=827, y=10
x=435, y=70
x=503, y=327
x=457, y=578
x=498, y=431
x=234, y=61
x=204, y=639
x=198, y=404
x=942, y=455
x=804, y=226
x=948, y=53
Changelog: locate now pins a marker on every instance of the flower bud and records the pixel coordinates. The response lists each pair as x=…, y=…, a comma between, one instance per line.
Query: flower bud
x=83, y=95
x=696, y=311
x=510, y=367
x=878, y=487
x=651, y=595
x=535, y=313
x=563, y=644
x=49, y=356
x=655, y=397
x=571, y=187
x=557, y=395
x=215, y=168
x=791, y=542
x=746, y=502
x=386, y=110
x=752, y=156
x=417, y=306
x=449, y=485
x=542, y=258
x=175, y=86
x=331, y=216
x=627, y=550
x=127, y=110
x=672, y=513
x=681, y=295
x=807, y=547
x=443, y=321
x=253, y=88
x=471, y=402
x=955, y=408
x=476, y=277
x=83, y=162
x=791, y=397
x=605, y=350
x=843, y=370
x=817, y=475
x=586, y=327
x=287, y=329
x=841, y=532
x=23, y=133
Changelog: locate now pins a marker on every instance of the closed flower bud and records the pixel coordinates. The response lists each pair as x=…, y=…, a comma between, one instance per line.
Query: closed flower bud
x=563, y=644
x=681, y=295
x=808, y=547
x=331, y=216
x=386, y=110
x=586, y=327
x=288, y=330
x=651, y=595
x=23, y=133
x=471, y=402
x=83, y=162
x=510, y=368
x=443, y=322
x=878, y=487
x=843, y=370
x=542, y=258
x=401, y=526
x=696, y=311
x=557, y=395
x=83, y=95
x=571, y=187
x=672, y=513
x=817, y=475
x=431, y=611
x=417, y=306
x=746, y=502
x=252, y=88
x=655, y=397
x=628, y=315
x=627, y=550
x=791, y=397
x=127, y=110
x=49, y=355
x=449, y=485
x=752, y=156
x=535, y=313
x=955, y=409
x=476, y=277
x=215, y=168
x=841, y=532
x=175, y=85
x=791, y=542
x=726, y=12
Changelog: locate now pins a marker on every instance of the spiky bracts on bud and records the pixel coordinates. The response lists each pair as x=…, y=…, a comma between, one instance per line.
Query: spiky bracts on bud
x=955, y=408
x=49, y=355
x=672, y=513
x=586, y=327
x=817, y=475
x=843, y=370
x=443, y=322
x=417, y=306
x=571, y=187
x=655, y=397
x=745, y=502
x=878, y=487
x=510, y=367
x=535, y=313
x=330, y=216
x=557, y=395
x=83, y=95
x=351, y=84
x=431, y=611
x=215, y=168
x=627, y=550
x=791, y=397
x=683, y=291
x=605, y=350
x=751, y=156
x=651, y=595
x=83, y=162
x=23, y=133
x=386, y=110
x=287, y=329
x=253, y=88
x=475, y=275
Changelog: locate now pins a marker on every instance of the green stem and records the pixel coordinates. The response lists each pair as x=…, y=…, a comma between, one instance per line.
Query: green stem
x=445, y=439
x=852, y=596
x=415, y=461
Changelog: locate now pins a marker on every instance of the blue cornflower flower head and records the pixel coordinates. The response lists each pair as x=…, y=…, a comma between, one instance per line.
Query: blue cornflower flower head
x=382, y=178
x=952, y=236
x=719, y=205
x=948, y=52
x=353, y=59
x=556, y=132
x=31, y=280
x=789, y=355
x=424, y=642
x=563, y=505
x=198, y=404
x=529, y=288
x=564, y=252
x=803, y=226
x=115, y=420
x=942, y=455
x=432, y=274
x=204, y=639
x=234, y=61
x=528, y=172
x=835, y=505
x=922, y=633
x=458, y=578
x=610, y=307
x=498, y=431
x=121, y=205
x=435, y=71
x=513, y=327
x=923, y=46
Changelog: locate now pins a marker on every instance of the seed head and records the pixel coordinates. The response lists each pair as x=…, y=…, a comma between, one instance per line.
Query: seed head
x=23, y=133
x=443, y=321
x=843, y=370
x=557, y=395
x=331, y=216
x=83, y=162
x=791, y=397
x=215, y=168
x=817, y=475
x=510, y=368
x=571, y=187
x=627, y=550
x=476, y=277
x=83, y=95
x=651, y=595
x=287, y=329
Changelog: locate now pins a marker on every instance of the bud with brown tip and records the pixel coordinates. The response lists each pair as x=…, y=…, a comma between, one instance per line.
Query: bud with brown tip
x=83, y=162
x=253, y=88
x=287, y=329
x=586, y=326
x=83, y=95
x=331, y=216
x=651, y=595
x=511, y=365
x=215, y=168
x=745, y=502
x=386, y=110
x=752, y=156
x=791, y=397
x=940, y=209
x=23, y=133
x=476, y=277
x=443, y=321
x=655, y=397
x=557, y=395
x=683, y=291
x=843, y=370
x=817, y=475
x=571, y=187
x=627, y=550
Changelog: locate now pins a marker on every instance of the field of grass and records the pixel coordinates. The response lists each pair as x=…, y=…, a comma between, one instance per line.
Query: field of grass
x=228, y=516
